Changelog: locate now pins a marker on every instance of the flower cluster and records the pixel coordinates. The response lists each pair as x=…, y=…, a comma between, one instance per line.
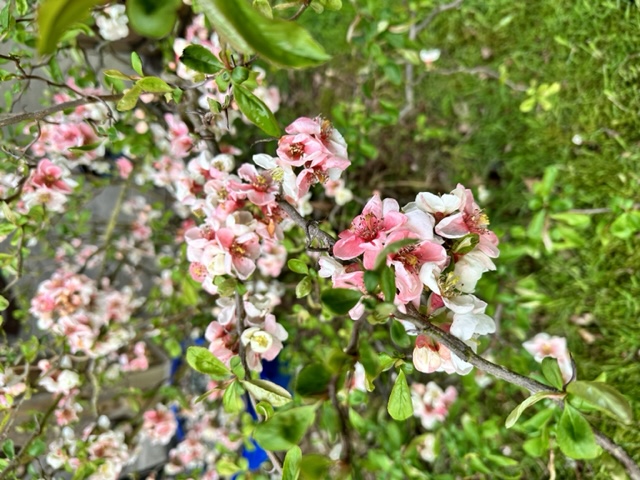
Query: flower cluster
x=447, y=248
x=92, y=320
x=261, y=336
x=48, y=185
x=430, y=403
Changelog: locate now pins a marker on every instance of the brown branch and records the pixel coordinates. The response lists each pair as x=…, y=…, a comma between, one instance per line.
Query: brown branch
x=311, y=228
x=301, y=10
x=435, y=12
x=462, y=350
x=7, y=120
x=16, y=461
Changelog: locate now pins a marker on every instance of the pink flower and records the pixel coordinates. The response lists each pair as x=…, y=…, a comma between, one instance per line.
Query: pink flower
x=430, y=403
x=51, y=177
x=125, y=167
x=159, y=425
x=224, y=341
x=470, y=220
x=544, y=345
x=430, y=356
x=260, y=189
x=369, y=230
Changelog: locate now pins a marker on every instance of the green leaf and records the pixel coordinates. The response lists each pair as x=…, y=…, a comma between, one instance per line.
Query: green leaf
x=400, y=406
x=268, y=391
x=232, y=398
x=399, y=335
x=551, y=371
x=285, y=429
x=625, y=226
x=282, y=42
x=298, y=266
x=129, y=99
x=528, y=105
x=152, y=18
x=315, y=467
x=4, y=303
x=388, y=284
x=117, y=74
x=313, y=380
x=371, y=280
x=574, y=435
x=604, y=397
x=533, y=399
x=264, y=7
x=256, y=110
x=136, y=63
x=291, y=466
x=203, y=361
x=226, y=467
x=55, y=17
x=201, y=59
x=154, y=85
x=340, y=300
x=240, y=74
x=536, y=226
x=303, y=288
x=8, y=449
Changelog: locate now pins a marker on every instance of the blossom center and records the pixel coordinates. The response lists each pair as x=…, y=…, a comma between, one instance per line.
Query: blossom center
x=367, y=226
x=478, y=222
x=296, y=150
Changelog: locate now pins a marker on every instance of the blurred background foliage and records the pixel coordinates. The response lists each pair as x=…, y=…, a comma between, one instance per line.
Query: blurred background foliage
x=535, y=106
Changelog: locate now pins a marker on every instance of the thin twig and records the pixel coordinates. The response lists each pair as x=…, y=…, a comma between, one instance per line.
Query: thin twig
x=435, y=12
x=41, y=114
x=345, y=434
x=303, y=7
x=481, y=71
x=16, y=461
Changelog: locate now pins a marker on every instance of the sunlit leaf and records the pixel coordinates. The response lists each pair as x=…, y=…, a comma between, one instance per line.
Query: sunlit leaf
x=55, y=17
x=256, y=110
x=247, y=30
x=400, y=406
x=532, y=400
x=604, y=397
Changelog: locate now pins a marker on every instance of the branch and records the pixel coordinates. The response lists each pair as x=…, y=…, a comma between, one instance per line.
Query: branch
x=435, y=12
x=41, y=114
x=310, y=228
x=462, y=350
x=482, y=71
x=303, y=7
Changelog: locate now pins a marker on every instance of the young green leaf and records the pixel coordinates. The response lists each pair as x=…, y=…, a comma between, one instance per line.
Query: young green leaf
x=256, y=110
x=551, y=371
x=136, y=63
x=298, y=266
x=603, y=397
x=340, y=300
x=532, y=400
x=291, y=466
x=232, y=398
x=117, y=74
x=154, y=85
x=303, y=288
x=399, y=335
x=574, y=435
x=268, y=391
x=284, y=43
x=4, y=303
x=201, y=59
x=400, y=406
x=129, y=99
x=55, y=17
x=203, y=361
x=285, y=429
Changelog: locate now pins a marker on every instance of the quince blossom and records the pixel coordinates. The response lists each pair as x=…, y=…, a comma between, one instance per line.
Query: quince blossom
x=431, y=403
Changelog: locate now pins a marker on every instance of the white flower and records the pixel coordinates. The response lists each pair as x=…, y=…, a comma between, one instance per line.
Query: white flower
x=429, y=56
x=112, y=22
x=260, y=340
